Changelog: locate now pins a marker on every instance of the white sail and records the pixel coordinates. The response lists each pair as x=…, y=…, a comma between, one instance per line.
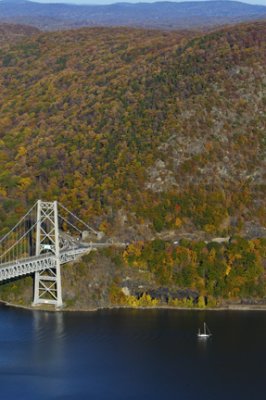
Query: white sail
x=206, y=332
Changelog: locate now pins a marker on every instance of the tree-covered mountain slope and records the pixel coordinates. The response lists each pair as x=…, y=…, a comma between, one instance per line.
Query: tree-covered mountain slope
x=13, y=32
x=140, y=132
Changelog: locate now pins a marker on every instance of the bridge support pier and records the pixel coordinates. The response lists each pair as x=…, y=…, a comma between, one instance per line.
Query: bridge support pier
x=47, y=285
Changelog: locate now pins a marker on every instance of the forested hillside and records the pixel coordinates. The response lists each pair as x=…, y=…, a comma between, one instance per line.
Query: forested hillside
x=12, y=32
x=137, y=131
x=146, y=135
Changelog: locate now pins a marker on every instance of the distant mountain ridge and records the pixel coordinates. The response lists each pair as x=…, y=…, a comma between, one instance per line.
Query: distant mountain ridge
x=165, y=15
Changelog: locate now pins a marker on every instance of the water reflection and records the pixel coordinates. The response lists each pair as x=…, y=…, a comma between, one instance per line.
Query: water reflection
x=48, y=338
x=48, y=354
x=203, y=345
x=43, y=320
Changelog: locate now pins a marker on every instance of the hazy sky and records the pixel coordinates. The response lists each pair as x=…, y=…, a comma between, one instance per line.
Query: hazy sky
x=261, y=2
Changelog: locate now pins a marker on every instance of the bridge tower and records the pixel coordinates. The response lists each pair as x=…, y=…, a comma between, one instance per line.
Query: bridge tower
x=47, y=287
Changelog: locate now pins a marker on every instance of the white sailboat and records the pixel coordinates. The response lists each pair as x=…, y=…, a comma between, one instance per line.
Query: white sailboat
x=206, y=332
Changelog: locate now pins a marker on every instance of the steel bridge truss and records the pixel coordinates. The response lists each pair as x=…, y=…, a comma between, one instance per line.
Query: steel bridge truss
x=40, y=249
x=36, y=264
x=47, y=285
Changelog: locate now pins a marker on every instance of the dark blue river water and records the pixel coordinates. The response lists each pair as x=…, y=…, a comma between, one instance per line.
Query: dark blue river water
x=132, y=354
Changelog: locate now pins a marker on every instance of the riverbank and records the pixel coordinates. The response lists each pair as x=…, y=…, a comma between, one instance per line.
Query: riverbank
x=115, y=279
x=229, y=307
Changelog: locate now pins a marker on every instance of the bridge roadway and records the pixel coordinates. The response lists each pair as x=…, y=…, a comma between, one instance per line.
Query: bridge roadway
x=45, y=261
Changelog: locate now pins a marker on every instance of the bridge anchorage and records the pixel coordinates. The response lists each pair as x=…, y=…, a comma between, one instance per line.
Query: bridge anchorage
x=40, y=243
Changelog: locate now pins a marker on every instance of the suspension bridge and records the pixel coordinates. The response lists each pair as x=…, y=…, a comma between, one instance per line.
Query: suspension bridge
x=46, y=237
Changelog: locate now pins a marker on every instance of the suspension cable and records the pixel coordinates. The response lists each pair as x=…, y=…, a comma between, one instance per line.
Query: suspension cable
x=68, y=222
x=78, y=219
x=21, y=220
x=19, y=240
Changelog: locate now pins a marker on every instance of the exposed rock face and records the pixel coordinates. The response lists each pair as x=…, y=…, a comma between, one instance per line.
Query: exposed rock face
x=164, y=294
x=160, y=178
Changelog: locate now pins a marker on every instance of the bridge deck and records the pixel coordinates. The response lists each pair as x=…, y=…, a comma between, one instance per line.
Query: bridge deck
x=38, y=263
x=42, y=262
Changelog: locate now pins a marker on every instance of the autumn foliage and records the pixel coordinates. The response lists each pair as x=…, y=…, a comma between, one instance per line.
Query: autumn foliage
x=86, y=116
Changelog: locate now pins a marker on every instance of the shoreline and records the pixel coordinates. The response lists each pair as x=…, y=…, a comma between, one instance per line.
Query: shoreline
x=229, y=307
